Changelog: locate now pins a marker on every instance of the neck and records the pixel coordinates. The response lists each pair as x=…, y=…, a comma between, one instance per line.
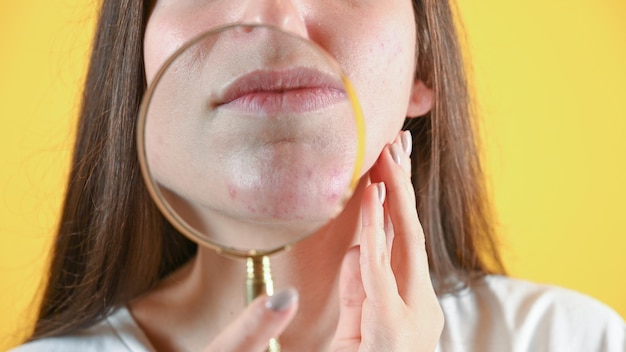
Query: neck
x=201, y=298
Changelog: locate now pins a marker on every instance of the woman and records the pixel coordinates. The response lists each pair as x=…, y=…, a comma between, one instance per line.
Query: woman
x=122, y=278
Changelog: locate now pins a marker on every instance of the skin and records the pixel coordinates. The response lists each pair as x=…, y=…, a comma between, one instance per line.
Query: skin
x=363, y=280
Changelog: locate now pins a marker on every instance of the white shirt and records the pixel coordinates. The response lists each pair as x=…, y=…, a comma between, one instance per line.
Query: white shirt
x=503, y=314
x=498, y=314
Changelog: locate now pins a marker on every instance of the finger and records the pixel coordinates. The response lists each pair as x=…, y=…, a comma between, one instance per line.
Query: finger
x=351, y=298
x=377, y=277
x=404, y=142
x=265, y=318
x=389, y=232
x=409, y=259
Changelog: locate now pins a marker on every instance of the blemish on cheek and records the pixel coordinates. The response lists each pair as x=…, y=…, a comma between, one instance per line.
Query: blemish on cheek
x=232, y=191
x=333, y=198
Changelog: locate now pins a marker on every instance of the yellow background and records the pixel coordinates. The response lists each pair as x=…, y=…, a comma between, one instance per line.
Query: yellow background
x=551, y=83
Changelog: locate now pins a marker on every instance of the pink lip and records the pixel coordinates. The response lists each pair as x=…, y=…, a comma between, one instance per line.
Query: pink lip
x=295, y=90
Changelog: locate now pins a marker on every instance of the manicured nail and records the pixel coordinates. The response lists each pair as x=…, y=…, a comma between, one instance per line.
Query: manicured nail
x=395, y=153
x=407, y=142
x=282, y=299
x=382, y=192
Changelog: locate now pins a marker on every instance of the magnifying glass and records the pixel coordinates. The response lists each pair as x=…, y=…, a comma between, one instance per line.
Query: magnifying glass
x=250, y=139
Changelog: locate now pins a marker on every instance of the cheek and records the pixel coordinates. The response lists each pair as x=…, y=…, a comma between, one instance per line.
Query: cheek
x=382, y=69
x=174, y=23
x=162, y=38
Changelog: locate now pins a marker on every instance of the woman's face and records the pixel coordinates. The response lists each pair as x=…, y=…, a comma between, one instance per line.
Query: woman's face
x=373, y=41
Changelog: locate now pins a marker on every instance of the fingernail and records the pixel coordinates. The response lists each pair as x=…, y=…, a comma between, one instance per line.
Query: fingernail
x=407, y=142
x=382, y=192
x=282, y=299
x=395, y=153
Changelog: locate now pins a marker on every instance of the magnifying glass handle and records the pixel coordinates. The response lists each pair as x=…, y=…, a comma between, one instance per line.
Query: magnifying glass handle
x=259, y=282
x=259, y=277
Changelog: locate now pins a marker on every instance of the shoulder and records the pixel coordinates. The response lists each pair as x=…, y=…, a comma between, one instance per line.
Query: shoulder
x=118, y=332
x=516, y=315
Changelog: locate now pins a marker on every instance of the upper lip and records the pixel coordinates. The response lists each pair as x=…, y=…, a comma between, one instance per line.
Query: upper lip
x=273, y=81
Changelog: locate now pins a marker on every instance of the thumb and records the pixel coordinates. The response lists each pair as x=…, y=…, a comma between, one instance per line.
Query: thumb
x=263, y=319
x=351, y=298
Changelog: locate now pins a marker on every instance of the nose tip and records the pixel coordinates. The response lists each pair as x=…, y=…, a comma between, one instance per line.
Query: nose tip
x=283, y=14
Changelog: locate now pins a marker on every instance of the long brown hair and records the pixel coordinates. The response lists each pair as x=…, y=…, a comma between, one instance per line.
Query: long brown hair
x=113, y=244
x=448, y=177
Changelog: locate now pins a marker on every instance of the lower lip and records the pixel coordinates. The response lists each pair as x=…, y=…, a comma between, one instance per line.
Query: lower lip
x=299, y=100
